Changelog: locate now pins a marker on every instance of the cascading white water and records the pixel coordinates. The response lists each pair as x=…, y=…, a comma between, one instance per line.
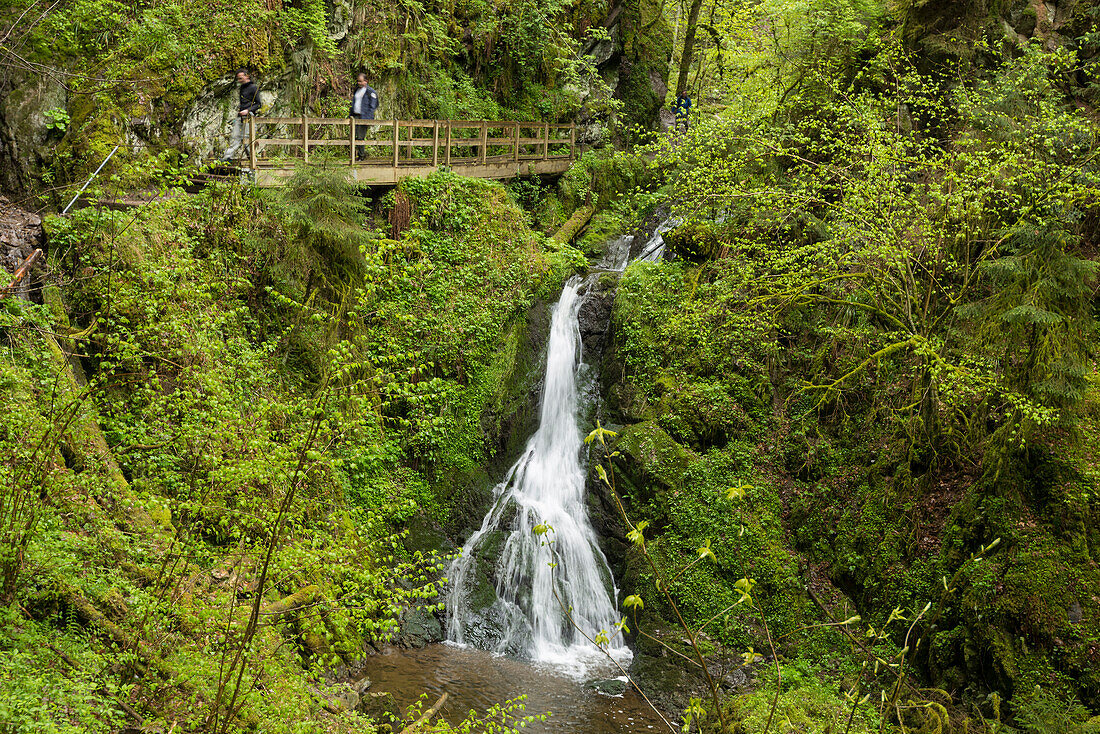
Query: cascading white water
x=654, y=250
x=539, y=576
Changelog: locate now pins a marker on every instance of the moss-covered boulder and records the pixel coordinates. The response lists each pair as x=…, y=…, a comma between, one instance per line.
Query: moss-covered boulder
x=650, y=459
x=694, y=241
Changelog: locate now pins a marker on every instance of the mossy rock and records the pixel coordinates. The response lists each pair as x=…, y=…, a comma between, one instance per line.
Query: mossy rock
x=649, y=456
x=1025, y=24
x=419, y=627
x=316, y=644
x=381, y=707
x=483, y=595
x=706, y=413
x=488, y=551
x=425, y=535
x=695, y=242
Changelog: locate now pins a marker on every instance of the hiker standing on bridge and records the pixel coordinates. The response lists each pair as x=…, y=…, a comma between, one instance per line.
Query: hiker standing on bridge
x=248, y=106
x=364, y=101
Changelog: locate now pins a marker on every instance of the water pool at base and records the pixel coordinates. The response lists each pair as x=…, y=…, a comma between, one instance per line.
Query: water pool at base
x=474, y=679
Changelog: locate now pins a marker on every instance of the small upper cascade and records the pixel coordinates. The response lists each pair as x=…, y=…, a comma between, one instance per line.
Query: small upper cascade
x=654, y=249
x=537, y=577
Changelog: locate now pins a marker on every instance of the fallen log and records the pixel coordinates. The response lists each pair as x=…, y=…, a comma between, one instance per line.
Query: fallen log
x=21, y=272
x=573, y=227
x=94, y=617
x=425, y=716
x=302, y=597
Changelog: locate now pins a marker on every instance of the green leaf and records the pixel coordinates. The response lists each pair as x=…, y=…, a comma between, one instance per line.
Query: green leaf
x=602, y=474
x=737, y=492
x=704, y=551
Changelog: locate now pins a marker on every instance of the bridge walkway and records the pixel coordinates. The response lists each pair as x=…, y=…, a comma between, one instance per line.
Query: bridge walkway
x=394, y=149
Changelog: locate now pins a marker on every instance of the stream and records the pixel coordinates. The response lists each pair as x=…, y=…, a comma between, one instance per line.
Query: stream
x=476, y=679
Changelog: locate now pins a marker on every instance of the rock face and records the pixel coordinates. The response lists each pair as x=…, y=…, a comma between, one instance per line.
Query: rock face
x=381, y=707
x=23, y=126
x=339, y=22
x=594, y=319
x=206, y=124
x=349, y=700
x=419, y=627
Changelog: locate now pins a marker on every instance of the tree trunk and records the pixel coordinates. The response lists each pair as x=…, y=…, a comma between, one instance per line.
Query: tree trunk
x=689, y=43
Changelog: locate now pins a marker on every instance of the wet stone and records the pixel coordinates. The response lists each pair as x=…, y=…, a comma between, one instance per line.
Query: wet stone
x=735, y=679
x=419, y=627
x=348, y=700
x=607, y=686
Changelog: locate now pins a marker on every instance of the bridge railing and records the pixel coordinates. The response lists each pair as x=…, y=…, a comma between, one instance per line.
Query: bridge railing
x=276, y=141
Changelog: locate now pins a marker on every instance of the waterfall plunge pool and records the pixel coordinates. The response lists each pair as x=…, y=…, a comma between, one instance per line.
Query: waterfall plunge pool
x=475, y=679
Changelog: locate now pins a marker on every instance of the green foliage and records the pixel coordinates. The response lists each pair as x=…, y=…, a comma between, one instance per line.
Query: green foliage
x=307, y=21
x=31, y=433
x=685, y=347
x=471, y=268
x=45, y=690
x=325, y=210
x=281, y=386
x=1041, y=712
x=57, y=120
x=881, y=297
x=806, y=704
x=892, y=268
x=600, y=177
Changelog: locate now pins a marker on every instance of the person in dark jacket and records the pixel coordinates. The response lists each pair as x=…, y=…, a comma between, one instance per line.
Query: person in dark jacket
x=364, y=101
x=248, y=105
x=682, y=108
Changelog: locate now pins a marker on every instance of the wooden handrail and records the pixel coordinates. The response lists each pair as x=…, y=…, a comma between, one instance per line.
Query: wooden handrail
x=416, y=146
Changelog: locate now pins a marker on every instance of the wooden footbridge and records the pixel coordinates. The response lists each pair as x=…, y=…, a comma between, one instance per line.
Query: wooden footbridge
x=389, y=150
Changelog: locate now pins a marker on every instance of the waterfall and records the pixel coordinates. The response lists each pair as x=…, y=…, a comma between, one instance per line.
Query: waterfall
x=535, y=576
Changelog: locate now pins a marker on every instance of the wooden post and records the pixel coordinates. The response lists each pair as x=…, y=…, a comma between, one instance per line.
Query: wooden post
x=252, y=142
x=396, y=142
x=435, y=143
x=305, y=138
x=484, y=141
x=447, y=155
x=515, y=144
x=545, y=140
x=351, y=143
x=572, y=141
